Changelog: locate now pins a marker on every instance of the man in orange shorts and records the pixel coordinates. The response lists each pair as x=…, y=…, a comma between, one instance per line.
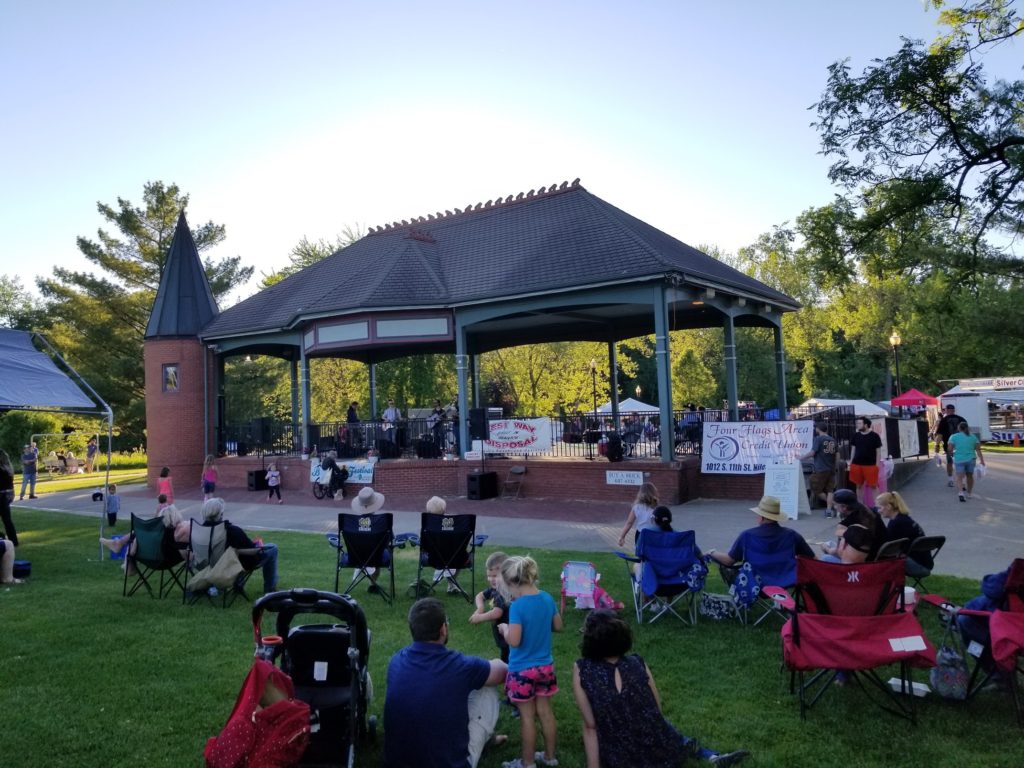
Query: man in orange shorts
x=864, y=458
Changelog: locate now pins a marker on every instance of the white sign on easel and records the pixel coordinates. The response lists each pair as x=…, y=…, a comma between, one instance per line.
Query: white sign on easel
x=786, y=483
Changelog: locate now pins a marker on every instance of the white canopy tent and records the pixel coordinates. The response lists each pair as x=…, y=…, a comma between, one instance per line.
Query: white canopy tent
x=860, y=407
x=629, y=405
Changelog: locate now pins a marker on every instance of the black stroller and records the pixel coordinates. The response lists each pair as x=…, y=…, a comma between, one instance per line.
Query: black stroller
x=328, y=665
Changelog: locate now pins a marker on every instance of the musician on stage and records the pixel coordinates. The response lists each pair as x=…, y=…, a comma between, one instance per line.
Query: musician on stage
x=353, y=414
x=391, y=417
x=436, y=422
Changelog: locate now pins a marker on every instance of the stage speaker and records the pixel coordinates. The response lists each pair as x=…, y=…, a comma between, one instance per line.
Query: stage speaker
x=243, y=449
x=482, y=485
x=388, y=450
x=257, y=480
x=478, y=424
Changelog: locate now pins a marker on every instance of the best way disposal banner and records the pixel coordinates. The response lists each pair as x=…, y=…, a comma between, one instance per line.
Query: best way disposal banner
x=747, y=447
x=519, y=436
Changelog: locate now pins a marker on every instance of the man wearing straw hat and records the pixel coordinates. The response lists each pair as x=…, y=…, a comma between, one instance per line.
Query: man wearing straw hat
x=767, y=535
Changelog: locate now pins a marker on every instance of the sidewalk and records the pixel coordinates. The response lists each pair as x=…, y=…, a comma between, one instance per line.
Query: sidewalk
x=982, y=535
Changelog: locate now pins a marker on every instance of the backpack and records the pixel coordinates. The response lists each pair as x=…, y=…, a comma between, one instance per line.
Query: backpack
x=267, y=727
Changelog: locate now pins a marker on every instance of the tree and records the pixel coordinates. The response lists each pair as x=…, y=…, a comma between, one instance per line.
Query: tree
x=306, y=253
x=17, y=306
x=923, y=132
x=98, y=322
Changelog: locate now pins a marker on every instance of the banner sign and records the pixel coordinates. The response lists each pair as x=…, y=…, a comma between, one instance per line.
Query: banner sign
x=747, y=447
x=358, y=471
x=519, y=436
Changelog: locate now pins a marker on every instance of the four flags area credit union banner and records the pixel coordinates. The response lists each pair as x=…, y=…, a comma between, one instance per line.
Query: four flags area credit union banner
x=747, y=447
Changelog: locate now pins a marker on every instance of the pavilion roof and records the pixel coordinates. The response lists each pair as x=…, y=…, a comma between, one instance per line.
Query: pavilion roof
x=560, y=238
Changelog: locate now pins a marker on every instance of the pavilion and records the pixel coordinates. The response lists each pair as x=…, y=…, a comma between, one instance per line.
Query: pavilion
x=554, y=264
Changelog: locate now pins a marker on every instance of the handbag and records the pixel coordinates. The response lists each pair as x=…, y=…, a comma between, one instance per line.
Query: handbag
x=949, y=677
x=221, y=574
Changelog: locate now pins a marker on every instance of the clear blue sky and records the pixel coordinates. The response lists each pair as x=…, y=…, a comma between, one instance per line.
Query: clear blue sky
x=284, y=120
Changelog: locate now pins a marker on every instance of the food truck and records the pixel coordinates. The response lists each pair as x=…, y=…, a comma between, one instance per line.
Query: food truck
x=991, y=406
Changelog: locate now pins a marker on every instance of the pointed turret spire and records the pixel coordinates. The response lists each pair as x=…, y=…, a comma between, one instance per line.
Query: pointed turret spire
x=184, y=302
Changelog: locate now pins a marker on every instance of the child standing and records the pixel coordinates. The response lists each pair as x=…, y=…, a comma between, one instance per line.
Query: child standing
x=209, y=478
x=498, y=614
x=112, y=505
x=531, y=682
x=165, y=485
x=641, y=511
x=273, y=483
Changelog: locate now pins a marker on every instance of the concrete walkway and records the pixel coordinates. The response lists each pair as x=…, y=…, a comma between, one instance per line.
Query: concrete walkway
x=982, y=535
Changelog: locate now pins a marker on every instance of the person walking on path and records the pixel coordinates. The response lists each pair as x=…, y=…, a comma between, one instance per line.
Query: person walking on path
x=823, y=472
x=91, y=448
x=948, y=426
x=965, y=449
x=29, y=467
x=864, y=459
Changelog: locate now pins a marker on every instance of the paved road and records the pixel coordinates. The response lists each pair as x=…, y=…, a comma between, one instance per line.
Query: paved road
x=983, y=534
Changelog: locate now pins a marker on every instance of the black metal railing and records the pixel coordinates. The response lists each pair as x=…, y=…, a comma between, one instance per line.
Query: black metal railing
x=580, y=436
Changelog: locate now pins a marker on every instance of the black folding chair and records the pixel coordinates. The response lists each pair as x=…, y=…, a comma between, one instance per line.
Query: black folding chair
x=925, y=544
x=150, y=559
x=367, y=543
x=448, y=545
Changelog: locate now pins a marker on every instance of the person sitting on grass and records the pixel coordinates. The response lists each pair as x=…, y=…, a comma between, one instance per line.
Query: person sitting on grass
x=266, y=558
x=623, y=726
x=7, y=563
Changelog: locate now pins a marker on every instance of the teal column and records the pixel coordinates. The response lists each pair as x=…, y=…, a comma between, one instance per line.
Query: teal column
x=307, y=417
x=373, y=393
x=780, y=369
x=663, y=373
x=613, y=383
x=474, y=375
x=730, y=369
x=462, y=362
x=293, y=366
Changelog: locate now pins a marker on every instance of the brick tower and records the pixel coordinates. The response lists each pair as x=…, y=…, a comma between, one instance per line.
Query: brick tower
x=179, y=407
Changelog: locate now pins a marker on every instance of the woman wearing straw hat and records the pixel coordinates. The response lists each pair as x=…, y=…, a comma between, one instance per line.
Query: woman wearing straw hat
x=366, y=502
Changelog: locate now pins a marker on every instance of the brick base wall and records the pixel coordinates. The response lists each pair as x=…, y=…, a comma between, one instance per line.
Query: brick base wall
x=553, y=480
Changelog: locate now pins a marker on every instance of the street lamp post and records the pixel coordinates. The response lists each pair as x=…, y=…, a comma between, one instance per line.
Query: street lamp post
x=895, y=341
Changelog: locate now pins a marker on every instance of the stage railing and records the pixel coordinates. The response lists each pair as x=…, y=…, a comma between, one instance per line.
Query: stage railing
x=580, y=436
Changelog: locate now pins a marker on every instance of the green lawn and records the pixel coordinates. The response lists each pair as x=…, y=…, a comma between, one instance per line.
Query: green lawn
x=76, y=482
x=91, y=678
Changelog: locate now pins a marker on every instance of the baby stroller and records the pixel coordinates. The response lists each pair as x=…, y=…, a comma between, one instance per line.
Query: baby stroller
x=328, y=665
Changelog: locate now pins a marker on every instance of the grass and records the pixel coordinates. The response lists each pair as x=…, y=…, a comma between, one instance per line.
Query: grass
x=80, y=481
x=91, y=678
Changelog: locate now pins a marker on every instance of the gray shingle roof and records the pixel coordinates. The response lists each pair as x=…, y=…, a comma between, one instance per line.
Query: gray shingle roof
x=560, y=239
x=184, y=302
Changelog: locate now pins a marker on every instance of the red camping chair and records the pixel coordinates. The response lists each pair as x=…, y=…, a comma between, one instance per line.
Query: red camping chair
x=1006, y=637
x=850, y=618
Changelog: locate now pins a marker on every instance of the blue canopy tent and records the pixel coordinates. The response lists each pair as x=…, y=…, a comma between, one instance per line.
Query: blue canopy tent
x=30, y=380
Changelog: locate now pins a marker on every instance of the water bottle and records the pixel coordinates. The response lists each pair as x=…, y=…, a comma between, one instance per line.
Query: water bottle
x=267, y=648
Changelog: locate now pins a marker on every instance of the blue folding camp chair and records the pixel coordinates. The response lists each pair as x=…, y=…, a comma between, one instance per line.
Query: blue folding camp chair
x=671, y=572
x=448, y=545
x=761, y=582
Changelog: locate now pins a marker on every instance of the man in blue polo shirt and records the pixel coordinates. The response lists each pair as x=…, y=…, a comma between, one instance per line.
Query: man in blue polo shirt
x=768, y=547
x=441, y=707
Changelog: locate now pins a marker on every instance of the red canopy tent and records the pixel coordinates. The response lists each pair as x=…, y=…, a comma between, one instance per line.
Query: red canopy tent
x=914, y=398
